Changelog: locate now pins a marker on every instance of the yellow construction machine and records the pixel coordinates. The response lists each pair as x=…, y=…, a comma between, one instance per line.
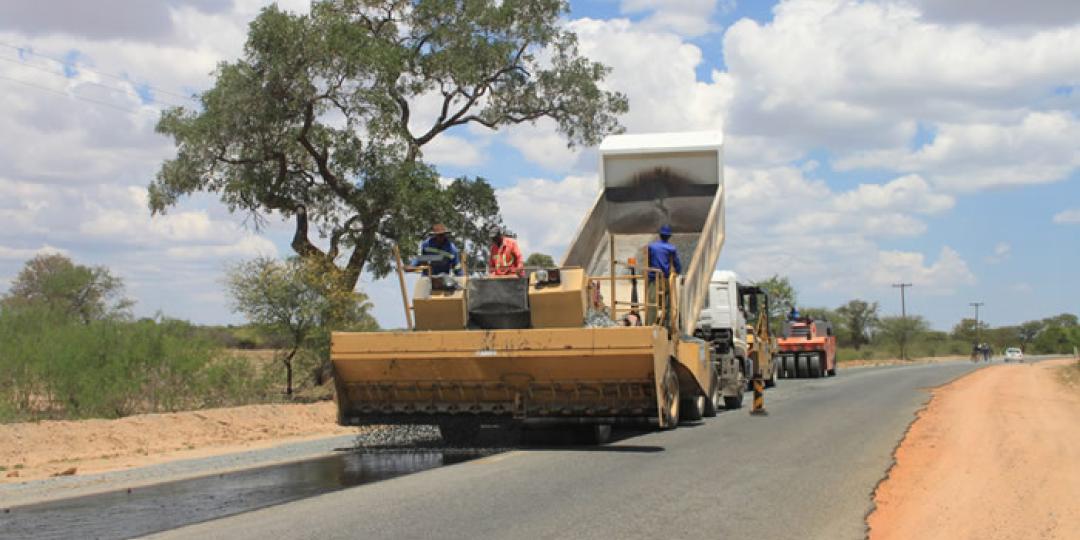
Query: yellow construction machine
x=588, y=343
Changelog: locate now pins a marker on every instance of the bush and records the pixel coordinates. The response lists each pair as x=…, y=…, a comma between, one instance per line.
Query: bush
x=55, y=367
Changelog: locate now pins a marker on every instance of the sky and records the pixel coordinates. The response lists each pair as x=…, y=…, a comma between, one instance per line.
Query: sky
x=867, y=143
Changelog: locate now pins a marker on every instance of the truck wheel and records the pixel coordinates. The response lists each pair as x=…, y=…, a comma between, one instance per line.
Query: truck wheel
x=733, y=402
x=802, y=367
x=670, y=411
x=692, y=409
x=715, y=400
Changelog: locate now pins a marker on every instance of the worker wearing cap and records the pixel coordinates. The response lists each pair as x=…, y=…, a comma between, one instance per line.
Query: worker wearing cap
x=663, y=256
x=438, y=243
x=506, y=257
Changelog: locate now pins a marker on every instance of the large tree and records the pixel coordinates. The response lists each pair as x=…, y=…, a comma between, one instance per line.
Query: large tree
x=320, y=120
x=903, y=331
x=858, y=319
x=56, y=283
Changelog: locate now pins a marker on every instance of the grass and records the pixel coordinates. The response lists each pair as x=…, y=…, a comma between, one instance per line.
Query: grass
x=1070, y=375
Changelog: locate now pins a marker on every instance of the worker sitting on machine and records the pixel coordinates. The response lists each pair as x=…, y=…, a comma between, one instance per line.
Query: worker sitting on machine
x=506, y=259
x=663, y=256
x=793, y=315
x=439, y=253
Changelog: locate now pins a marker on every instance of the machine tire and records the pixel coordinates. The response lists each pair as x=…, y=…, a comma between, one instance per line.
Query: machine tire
x=802, y=367
x=814, y=367
x=692, y=409
x=714, y=402
x=733, y=402
x=771, y=381
x=670, y=411
x=832, y=372
x=789, y=367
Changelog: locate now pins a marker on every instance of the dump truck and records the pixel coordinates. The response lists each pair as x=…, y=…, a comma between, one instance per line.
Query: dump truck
x=723, y=323
x=600, y=340
x=807, y=349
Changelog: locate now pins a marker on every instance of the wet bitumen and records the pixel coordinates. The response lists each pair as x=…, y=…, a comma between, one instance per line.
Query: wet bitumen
x=139, y=511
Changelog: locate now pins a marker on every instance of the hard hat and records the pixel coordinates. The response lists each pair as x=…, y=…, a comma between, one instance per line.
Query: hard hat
x=665, y=230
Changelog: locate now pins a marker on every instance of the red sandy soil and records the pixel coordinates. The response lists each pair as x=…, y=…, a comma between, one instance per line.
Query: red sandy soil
x=33, y=450
x=995, y=455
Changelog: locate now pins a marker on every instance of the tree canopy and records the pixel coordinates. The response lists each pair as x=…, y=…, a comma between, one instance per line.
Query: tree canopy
x=857, y=319
x=54, y=282
x=782, y=297
x=539, y=260
x=322, y=121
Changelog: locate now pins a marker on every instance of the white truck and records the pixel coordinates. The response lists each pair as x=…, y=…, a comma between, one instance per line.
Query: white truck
x=723, y=324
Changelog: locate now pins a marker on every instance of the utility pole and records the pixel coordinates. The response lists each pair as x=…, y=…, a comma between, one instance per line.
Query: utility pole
x=903, y=316
x=978, y=330
x=903, y=303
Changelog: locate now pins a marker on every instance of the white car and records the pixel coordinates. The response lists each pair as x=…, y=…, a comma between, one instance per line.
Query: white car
x=1014, y=354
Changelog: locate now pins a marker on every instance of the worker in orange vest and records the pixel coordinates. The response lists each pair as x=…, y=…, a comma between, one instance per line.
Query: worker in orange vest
x=506, y=257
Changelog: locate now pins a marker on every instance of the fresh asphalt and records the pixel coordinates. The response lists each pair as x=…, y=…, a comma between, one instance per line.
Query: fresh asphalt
x=807, y=470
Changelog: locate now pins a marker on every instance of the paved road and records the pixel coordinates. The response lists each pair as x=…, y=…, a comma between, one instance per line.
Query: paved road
x=807, y=470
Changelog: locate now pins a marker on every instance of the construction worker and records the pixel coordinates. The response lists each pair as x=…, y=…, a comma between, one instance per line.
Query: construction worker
x=438, y=244
x=663, y=256
x=793, y=315
x=506, y=259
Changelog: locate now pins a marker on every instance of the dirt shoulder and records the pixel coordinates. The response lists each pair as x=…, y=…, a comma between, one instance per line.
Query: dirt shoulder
x=34, y=450
x=995, y=454
x=899, y=362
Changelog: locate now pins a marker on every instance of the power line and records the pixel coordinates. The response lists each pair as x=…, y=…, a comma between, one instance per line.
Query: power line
x=81, y=81
x=24, y=50
x=70, y=95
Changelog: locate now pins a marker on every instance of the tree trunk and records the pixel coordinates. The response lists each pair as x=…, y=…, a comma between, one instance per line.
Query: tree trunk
x=289, y=372
x=359, y=256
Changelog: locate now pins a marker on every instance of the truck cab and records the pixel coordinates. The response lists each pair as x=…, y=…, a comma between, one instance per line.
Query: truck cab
x=723, y=324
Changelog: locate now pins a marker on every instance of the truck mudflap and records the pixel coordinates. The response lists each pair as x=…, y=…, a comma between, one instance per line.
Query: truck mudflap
x=604, y=375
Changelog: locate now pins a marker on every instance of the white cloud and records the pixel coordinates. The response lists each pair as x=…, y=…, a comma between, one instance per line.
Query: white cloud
x=453, y=150
x=942, y=277
x=861, y=77
x=686, y=17
x=1066, y=217
x=546, y=214
x=908, y=193
x=1039, y=148
x=1001, y=12
x=657, y=72
x=1002, y=250
x=22, y=254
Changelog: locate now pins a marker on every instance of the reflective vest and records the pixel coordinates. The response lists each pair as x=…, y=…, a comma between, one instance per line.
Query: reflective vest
x=506, y=258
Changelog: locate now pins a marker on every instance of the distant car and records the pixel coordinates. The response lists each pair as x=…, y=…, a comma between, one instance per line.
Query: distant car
x=1014, y=354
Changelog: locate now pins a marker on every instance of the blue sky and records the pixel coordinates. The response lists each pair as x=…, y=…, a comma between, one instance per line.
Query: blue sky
x=867, y=142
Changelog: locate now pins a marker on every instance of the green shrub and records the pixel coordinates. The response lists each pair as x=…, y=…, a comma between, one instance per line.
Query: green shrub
x=57, y=367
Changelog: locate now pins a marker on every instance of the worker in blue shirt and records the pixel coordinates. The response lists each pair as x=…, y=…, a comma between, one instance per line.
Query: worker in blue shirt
x=663, y=256
x=439, y=244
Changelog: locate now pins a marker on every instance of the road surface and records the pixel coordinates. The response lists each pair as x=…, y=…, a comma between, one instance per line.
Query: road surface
x=808, y=470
